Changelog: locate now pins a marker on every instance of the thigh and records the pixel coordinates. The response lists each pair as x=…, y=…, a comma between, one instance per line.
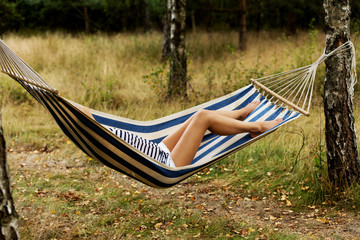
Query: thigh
x=171, y=140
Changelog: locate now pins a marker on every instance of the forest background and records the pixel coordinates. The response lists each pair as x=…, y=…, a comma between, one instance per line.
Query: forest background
x=124, y=16
x=106, y=54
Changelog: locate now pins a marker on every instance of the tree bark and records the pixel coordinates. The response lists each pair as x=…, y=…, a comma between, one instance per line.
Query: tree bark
x=342, y=153
x=86, y=18
x=8, y=217
x=291, y=19
x=258, y=16
x=242, y=26
x=178, y=66
x=148, y=22
x=166, y=29
x=193, y=22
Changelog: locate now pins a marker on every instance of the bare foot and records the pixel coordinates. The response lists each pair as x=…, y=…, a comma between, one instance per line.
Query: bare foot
x=248, y=109
x=266, y=125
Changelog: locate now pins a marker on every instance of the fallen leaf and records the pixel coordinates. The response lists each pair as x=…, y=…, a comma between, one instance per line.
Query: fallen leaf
x=197, y=235
x=272, y=218
x=158, y=225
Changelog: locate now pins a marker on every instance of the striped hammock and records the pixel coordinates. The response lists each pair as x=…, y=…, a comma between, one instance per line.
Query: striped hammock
x=285, y=95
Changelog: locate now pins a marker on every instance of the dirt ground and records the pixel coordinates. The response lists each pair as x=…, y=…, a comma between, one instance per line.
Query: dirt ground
x=218, y=198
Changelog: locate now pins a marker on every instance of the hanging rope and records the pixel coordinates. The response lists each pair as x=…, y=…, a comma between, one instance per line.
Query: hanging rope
x=294, y=88
x=14, y=66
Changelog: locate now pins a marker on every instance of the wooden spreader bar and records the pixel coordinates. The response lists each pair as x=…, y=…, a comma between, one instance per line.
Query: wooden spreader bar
x=287, y=102
x=16, y=76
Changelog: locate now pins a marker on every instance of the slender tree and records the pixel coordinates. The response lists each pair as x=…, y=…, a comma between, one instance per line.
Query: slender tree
x=86, y=18
x=193, y=22
x=166, y=29
x=342, y=153
x=178, y=66
x=8, y=217
x=242, y=27
x=147, y=17
x=291, y=18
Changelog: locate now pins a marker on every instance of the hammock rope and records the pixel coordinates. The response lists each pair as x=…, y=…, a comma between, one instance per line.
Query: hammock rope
x=15, y=67
x=280, y=95
x=295, y=87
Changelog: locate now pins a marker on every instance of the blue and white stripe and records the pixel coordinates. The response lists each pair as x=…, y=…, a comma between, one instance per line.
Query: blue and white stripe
x=95, y=139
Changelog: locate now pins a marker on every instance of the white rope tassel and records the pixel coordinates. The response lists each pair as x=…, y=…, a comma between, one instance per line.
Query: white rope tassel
x=295, y=87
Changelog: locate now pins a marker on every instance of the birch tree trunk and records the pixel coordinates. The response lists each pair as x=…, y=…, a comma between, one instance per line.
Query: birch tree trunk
x=178, y=66
x=242, y=27
x=342, y=153
x=8, y=216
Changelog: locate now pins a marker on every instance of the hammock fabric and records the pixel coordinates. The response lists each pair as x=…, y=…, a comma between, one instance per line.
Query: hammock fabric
x=93, y=138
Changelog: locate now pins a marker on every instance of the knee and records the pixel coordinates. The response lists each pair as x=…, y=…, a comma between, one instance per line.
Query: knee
x=202, y=115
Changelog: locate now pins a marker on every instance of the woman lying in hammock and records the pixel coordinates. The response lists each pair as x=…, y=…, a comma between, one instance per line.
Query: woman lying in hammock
x=179, y=148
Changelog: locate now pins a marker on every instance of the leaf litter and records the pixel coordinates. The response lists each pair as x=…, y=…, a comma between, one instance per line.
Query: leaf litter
x=199, y=209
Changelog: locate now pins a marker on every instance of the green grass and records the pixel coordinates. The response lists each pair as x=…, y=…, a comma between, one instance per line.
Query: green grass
x=60, y=193
x=81, y=204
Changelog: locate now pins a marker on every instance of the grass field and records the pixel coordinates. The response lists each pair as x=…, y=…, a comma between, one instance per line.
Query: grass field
x=62, y=194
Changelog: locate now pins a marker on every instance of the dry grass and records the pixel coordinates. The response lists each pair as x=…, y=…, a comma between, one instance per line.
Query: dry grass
x=82, y=66
x=106, y=72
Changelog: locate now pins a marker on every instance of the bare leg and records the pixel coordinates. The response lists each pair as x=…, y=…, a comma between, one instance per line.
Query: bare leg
x=184, y=143
x=189, y=142
x=240, y=114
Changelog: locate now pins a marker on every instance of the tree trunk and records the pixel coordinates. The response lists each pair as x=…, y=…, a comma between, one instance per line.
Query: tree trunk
x=291, y=20
x=148, y=22
x=209, y=16
x=258, y=16
x=8, y=217
x=178, y=66
x=193, y=23
x=166, y=42
x=242, y=27
x=86, y=18
x=342, y=153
